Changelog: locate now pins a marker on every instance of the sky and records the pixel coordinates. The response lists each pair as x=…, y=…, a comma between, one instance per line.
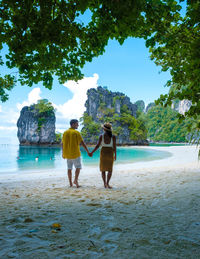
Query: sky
x=127, y=69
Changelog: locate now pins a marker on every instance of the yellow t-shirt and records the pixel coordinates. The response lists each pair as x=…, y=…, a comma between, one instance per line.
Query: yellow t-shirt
x=71, y=140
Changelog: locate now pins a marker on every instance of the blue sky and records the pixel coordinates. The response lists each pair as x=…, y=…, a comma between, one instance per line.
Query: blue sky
x=127, y=69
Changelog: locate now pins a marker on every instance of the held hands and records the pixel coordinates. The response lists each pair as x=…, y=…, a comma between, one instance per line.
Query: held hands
x=90, y=154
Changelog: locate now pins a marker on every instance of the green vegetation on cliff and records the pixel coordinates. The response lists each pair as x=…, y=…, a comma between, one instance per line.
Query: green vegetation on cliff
x=136, y=127
x=91, y=127
x=162, y=125
x=44, y=109
x=58, y=137
x=43, y=106
x=140, y=105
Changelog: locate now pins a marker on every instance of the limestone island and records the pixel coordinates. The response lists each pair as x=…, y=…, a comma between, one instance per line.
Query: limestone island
x=36, y=125
x=102, y=106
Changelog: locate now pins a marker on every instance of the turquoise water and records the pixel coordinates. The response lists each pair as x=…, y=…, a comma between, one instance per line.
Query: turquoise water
x=15, y=158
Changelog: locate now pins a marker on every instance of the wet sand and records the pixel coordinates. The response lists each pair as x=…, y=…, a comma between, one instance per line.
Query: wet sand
x=151, y=212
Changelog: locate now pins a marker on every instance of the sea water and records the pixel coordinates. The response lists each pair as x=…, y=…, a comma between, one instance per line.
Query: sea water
x=15, y=158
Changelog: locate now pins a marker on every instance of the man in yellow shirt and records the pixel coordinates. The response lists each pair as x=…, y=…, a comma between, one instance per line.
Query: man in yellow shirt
x=71, y=141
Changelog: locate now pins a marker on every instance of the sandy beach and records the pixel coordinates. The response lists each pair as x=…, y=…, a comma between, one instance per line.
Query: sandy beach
x=151, y=212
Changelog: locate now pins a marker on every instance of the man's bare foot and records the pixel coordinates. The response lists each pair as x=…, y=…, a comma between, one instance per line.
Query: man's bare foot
x=77, y=185
x=105, y=185
x=71, y=185
x=109, y=187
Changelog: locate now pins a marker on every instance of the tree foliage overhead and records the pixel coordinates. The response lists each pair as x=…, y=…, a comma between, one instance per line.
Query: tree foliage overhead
x=178, y=50
x=47, y=38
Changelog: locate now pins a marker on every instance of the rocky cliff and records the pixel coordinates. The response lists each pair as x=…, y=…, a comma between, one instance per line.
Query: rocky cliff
x=149, y=106
x=102, y=106
x=97, y=98
x=34, y=129
x=181, y=106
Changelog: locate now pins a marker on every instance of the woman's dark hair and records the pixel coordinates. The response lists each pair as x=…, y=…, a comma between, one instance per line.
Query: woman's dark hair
x=109, y=133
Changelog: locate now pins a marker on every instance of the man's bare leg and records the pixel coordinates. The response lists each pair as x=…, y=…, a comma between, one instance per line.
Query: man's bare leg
x=103, y=174
x=77, y=172
x=108, y=179
x=70, y=177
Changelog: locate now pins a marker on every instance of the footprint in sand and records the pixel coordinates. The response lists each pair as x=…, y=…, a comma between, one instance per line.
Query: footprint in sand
x=28, y=220
x=14, y=220
x=108, y=206
x=94, y=204
x=58, y=189
x=143, y=242
x=116, y=229
x=126, y=203
x=15, y=196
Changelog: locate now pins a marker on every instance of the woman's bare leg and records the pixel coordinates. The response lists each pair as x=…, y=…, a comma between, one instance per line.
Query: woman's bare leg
x=103, y=174
x=108, y=179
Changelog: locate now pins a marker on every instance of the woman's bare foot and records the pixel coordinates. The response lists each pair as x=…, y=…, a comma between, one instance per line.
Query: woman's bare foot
x=109, y=187
x=77, y=185
x=105, y=185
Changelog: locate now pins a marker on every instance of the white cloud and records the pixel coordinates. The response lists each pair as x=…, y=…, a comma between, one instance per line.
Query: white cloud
x=74, y=108
x=14, y=116
x=8, y=117
x=10, y=128
x=33, y=97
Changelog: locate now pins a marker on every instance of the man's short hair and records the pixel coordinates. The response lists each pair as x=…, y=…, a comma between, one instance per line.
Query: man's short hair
x=73, y=121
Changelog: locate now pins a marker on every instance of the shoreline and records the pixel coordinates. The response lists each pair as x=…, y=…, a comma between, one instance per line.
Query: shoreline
x=188, y=155
x=93, y=145
x=181, y=156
